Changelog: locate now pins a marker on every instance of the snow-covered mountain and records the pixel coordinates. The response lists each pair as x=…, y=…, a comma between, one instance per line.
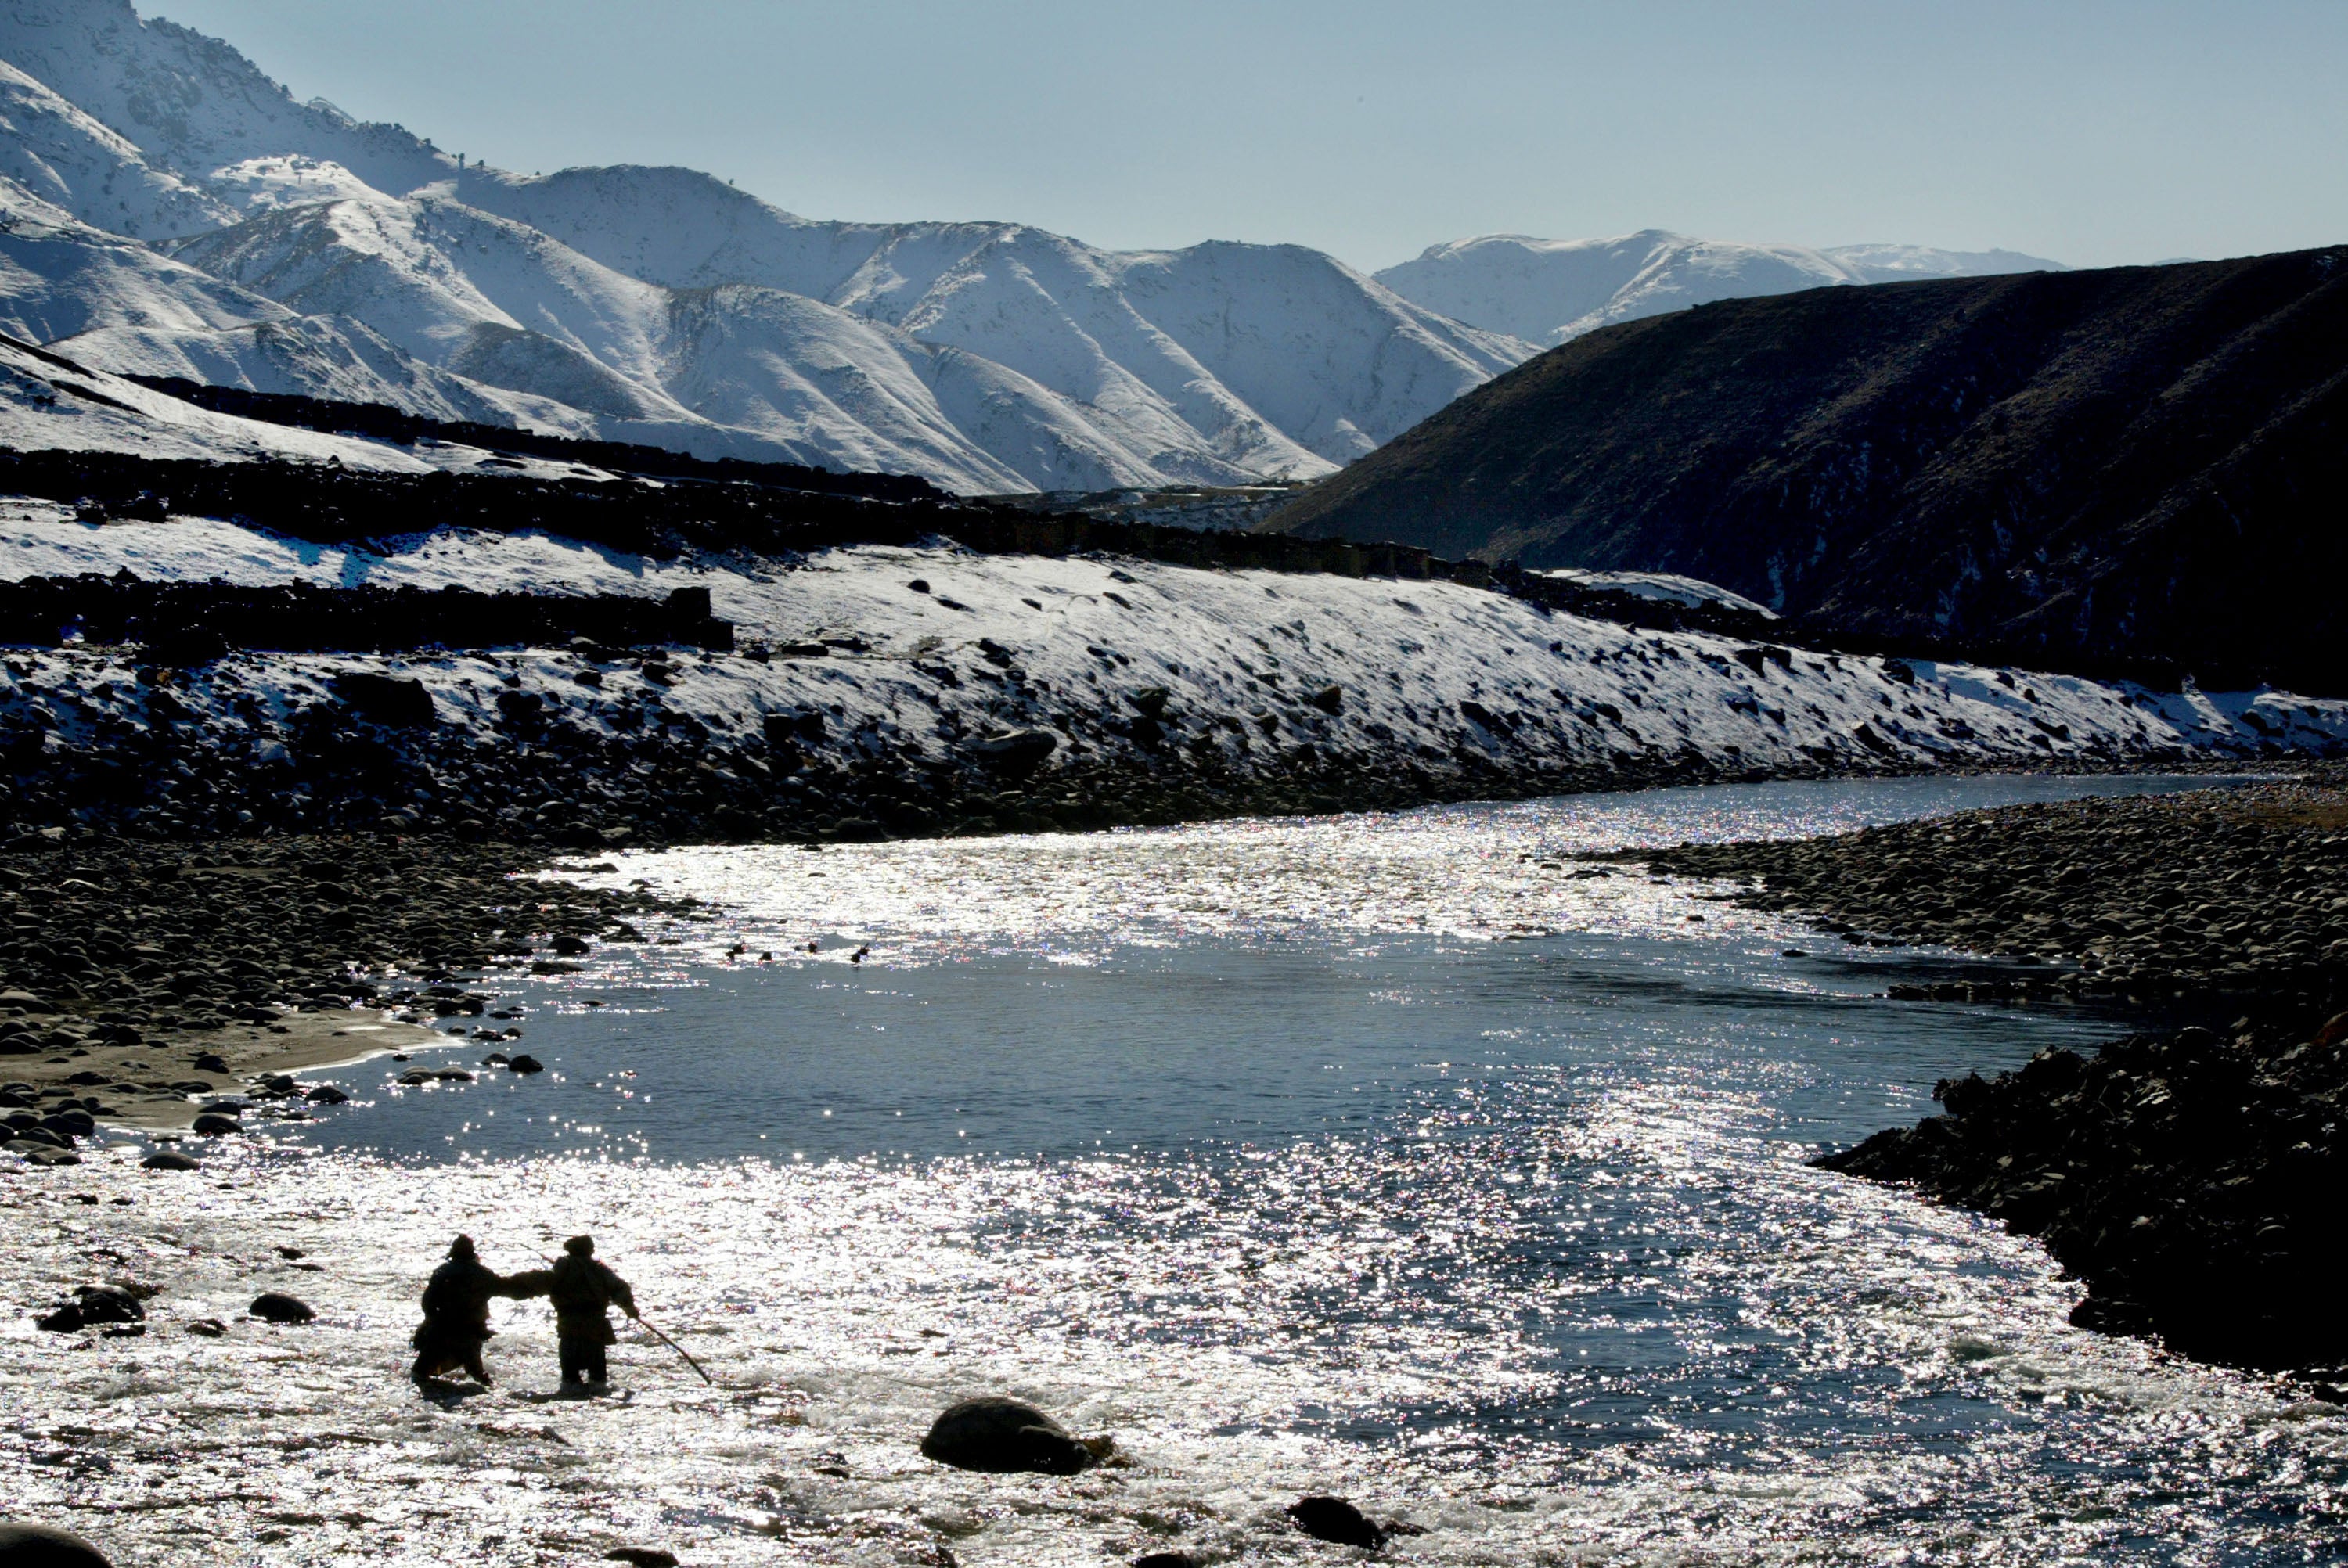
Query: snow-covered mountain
x=1548, y=290
x=167, y=209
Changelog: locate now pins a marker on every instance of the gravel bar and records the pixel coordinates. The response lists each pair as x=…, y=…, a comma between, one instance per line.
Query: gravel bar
x=138, y=976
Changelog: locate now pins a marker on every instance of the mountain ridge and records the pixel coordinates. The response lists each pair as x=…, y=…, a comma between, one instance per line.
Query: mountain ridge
x=1547, y=292
x=2124, y=463
x=358, y=262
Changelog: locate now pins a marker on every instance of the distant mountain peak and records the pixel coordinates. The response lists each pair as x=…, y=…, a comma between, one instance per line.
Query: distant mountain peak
x=1548, y=291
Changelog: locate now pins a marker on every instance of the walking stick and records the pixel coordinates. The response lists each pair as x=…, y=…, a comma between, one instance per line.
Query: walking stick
x=678, y=1348
x=663, y=1339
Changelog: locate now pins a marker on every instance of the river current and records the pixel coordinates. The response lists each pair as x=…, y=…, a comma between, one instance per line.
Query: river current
x=1395, y=1156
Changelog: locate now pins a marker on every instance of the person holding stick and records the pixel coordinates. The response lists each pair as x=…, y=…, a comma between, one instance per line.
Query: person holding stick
x=582, y=1290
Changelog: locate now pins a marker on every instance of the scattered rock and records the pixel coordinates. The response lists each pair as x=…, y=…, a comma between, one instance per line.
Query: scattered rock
x=525, y=1063
x=1004, y=1436
x=1017, y=753
x=208, y=1328
x=168, y=1160
x=642, y=1556
x=273, y=1307
x=326, y=1094
x=213, y=1125
x=385, y=699
x=1335, y=1519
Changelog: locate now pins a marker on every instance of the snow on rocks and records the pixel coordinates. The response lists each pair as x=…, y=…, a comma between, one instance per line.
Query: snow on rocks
x=1668, y=587
x=879, y=689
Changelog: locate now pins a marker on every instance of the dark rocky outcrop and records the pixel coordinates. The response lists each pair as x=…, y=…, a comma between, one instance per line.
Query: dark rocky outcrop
x=1005, y=1436
x=94, y=1305
x=179, y=624
x=2097, y=471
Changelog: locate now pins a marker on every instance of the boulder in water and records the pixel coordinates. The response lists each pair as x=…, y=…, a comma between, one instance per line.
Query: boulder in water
x=167, y=1160
x=274, y=1306
x=45, y=1546
x=1003, y=1436
x=1335, y=1519
x=108, y=1304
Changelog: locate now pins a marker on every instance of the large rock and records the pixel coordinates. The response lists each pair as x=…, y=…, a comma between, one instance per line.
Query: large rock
x=385, y=699
x=45, y=1546
x=273, y=1307
x=1335, y=1519
x=1004, y=1436
x=1018, y=754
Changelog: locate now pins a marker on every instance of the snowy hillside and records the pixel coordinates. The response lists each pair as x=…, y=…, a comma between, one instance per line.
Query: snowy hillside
x=58, y=153
x=60, y=276
x=1261, y=349
x=193, y=104
x=896, y=664
x=1548, y=290
x=640, y=305
x=47, y=403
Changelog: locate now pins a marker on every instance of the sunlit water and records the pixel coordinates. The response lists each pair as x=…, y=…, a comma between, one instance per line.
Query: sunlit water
x=1371, y=1155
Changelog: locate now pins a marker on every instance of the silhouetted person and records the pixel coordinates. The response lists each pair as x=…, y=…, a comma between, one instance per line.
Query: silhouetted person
x=457, y=1314
x=582, y=1291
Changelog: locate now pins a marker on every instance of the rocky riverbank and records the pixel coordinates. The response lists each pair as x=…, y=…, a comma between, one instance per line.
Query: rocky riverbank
x=2196, y=1180
x=137, y=977
x=2236, y=890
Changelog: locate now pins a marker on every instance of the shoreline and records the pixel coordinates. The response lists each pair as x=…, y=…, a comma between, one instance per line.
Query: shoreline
x=2191, y=1177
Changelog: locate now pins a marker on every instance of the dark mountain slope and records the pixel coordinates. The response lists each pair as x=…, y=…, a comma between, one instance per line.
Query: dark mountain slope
x=2087, y=469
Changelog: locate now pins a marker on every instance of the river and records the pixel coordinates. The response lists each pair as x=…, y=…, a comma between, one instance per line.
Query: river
x=1396, y=1156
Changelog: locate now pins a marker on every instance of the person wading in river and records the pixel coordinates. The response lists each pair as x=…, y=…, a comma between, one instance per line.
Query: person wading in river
x=582, y=1291
x=457, y=1314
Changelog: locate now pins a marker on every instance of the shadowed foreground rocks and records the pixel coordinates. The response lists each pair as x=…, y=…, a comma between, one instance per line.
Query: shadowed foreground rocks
x=2196, y=1180
x=45, y=1546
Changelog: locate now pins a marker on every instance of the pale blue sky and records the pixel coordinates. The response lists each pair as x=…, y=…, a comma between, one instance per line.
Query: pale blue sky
x=2092, y=131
